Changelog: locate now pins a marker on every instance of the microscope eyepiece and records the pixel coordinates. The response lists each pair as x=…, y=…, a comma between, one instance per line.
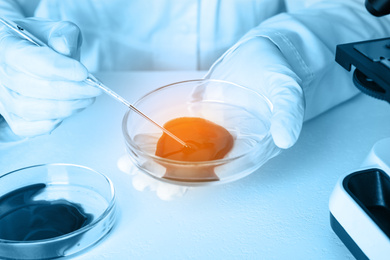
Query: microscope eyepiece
x=378, y=7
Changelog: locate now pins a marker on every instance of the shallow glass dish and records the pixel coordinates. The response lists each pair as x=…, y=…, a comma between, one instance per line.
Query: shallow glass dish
x=243, y=112
x=29, y=231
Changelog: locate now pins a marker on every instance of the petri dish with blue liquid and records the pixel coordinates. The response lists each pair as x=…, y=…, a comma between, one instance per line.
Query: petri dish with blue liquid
x=53, y=210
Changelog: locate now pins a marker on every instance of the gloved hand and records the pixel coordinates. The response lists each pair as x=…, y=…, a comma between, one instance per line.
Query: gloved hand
x=259, y=65
x=41, y=86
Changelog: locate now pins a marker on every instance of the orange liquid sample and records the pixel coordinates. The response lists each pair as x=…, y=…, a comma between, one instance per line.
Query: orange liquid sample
x=207, y=141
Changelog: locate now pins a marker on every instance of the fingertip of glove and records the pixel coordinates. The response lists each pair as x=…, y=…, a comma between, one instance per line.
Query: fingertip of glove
x=60, y=44
x=79, y=72
x=31, y=129
x=70, y=69
x=284, y=137
x=65, y=37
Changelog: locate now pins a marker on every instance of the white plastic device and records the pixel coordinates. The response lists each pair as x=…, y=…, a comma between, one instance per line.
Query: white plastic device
x=360, y=206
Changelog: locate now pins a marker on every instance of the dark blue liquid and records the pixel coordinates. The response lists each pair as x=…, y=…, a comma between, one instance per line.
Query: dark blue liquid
x=23, y=219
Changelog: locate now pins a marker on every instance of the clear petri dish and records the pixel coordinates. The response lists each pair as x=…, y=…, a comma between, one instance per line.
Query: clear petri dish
x=243, y=112
x=53, y=210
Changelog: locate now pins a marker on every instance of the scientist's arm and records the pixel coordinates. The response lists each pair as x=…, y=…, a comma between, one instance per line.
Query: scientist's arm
x=308, y=39
x=290, y=58
x=40, y=86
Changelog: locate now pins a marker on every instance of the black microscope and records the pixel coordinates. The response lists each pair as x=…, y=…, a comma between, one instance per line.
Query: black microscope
x=371, y=58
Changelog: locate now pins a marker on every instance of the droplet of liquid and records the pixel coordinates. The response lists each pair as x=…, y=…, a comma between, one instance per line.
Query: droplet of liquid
x=206, y=141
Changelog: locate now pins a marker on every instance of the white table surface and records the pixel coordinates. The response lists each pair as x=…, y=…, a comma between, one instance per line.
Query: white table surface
x=279, y=212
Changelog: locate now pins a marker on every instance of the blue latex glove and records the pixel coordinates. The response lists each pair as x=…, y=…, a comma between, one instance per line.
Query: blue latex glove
x=41, y=86
x=258, y=64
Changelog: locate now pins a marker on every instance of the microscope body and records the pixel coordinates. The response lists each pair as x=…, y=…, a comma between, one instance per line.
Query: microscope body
x=370, y=58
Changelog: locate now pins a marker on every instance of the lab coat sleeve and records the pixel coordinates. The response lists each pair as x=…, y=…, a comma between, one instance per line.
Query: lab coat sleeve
x=308, y=37
x=13, y=9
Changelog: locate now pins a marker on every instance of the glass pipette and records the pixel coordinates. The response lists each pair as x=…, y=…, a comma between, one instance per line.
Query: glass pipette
x=90, y=79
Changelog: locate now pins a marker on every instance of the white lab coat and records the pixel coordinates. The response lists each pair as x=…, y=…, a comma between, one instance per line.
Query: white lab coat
x=192, y=34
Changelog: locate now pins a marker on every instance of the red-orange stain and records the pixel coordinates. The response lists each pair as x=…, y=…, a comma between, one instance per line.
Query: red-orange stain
x=206, y=140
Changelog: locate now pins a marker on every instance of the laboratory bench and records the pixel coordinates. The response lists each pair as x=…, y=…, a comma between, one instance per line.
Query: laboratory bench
x=278, y=212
